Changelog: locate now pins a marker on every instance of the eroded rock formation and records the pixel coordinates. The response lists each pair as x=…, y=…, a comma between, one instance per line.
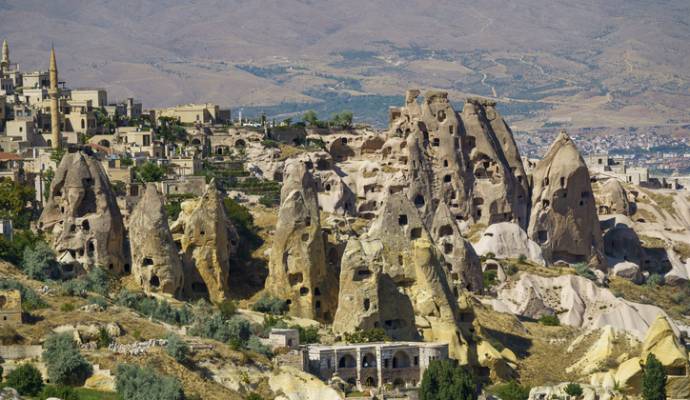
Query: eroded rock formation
x=156, y=264
x=82, y=218
x=564, y=217
x=613, y=199
x=298, y=271
x=207, y=240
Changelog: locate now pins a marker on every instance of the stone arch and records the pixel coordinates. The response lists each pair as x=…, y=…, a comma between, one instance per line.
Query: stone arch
x=401, y=359
x=370, y=382
x=369, y=360
x=347, y=361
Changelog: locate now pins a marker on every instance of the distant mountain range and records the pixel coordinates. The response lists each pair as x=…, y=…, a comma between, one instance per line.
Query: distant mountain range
x=577, y=62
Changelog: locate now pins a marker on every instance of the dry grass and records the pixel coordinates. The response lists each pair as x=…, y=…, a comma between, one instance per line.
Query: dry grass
x=665, y=202
x=652, y=242
x=674, y=300
x=475, y=232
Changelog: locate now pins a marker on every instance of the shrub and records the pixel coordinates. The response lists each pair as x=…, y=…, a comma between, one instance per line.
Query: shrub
x=656, y=280
x=157, y=309
x=104, y=338
x=150, y=172
x=583, y=270
x=64, y=362
x=445, y=380
x=177, y=348
x=573, y=390
x=511, y=391
x=653, y=379
x=270, y=305
x=254, y=344
x=254, y=396
x=26, y=379
x=97, y=280
x=228, y=308
x=99, y=300
x=490, y=277
x=549, y=320
x=309, y=334
x=136, y=383
x=522, y=259
x=30, y=299
x=235, y=331
x=60, y=392
x=38, y=262
x=67, y=307
x=367, y=336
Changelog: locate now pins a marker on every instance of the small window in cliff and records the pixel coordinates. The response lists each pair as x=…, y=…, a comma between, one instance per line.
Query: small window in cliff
x=90, y=248
x=362, y=274
x=402, y=220
x=155, y=281
x=400, y=259
x=451, y=130
x=367, y=304
x=542, y=236
x=479, y=213
x=447, y=248
x=111, y=267
x=446, y=230
x=72, y=228
x=445, y=163
x=446, y=178
x=307, y=221
x=562, y=182
x=309, y=164
x=202, y=233
x=328, y=187
x=128, y=269
x=305, y=237
x=415, y=233
x=85, y=225
x=436, y=142
x=546, y=181
x=295, y=278
x=419, y=200
x=147, y=262
x=317, y=292
x=317, y=305
x=545, y=204
x=303, y=291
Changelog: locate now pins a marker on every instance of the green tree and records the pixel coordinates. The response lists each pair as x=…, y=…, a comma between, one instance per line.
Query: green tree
x=573, y=390
x=39, y=262
x=26, y=379
x=311, y=118
x=446, y=380
x=61, y=392
x=511, y=391
x=136, y=383
x=64, y=362
x=177, y=348
x=653, y=379
x=342, y=120
x=150, y=172
x=14, y=201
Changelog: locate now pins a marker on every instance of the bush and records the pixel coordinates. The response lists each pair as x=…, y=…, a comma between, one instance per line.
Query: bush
x=150, y=172
x=177, y=348
x=573, y=390
x=26, y=379
x=30, y=299
x=254, y=396
x=653, y=379
x=235, y=331
x=511, y=391
x=99, y=300
x=104, y=338
x=96, y=280
x=367, y=336
x=60, y=392
x=38, y=262
x=549, y=320
x=67, y=307
x=271, y=305
x=254, y=344
x=445, y=380
x=308, y=335
x=157, y=309
x=490, y=276
x=64, y=362
x=583, y=270
x=656, y=280
x=228, y=308
x=522, y=259
x=136, y=383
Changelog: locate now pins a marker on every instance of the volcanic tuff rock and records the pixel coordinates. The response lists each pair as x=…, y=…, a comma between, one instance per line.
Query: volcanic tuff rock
x=462, y=265
x=613, y=199
x=459, y=159
x=207, y=240
x=564, y=217
x=508, y=240
x=577, y=301
x=298, y=271
x=412, y=274
x=82, y=217
x=156, y=264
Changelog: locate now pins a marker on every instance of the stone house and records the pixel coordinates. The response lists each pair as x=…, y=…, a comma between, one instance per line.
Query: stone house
x=10, y=307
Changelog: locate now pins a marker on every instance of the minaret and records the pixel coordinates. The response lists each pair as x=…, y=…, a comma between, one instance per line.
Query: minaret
x=54, y=110
x=5, y=63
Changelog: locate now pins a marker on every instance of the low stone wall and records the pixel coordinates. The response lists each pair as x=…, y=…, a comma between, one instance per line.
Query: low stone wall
x=18, y=352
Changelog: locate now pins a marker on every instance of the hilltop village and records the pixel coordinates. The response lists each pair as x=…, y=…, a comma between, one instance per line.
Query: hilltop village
x=319, y=259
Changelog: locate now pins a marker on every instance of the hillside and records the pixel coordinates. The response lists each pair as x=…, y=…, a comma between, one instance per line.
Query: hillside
x=592, y=63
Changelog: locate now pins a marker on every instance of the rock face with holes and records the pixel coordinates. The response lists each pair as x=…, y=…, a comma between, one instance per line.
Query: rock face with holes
x=564, y=218
x=392, y=278
x=461, y=264
x=508, y=240
x=468, y=161
x=156, y=264
x=208, y=241
x=613, y=199
x=298, y=271
x=82, y=218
